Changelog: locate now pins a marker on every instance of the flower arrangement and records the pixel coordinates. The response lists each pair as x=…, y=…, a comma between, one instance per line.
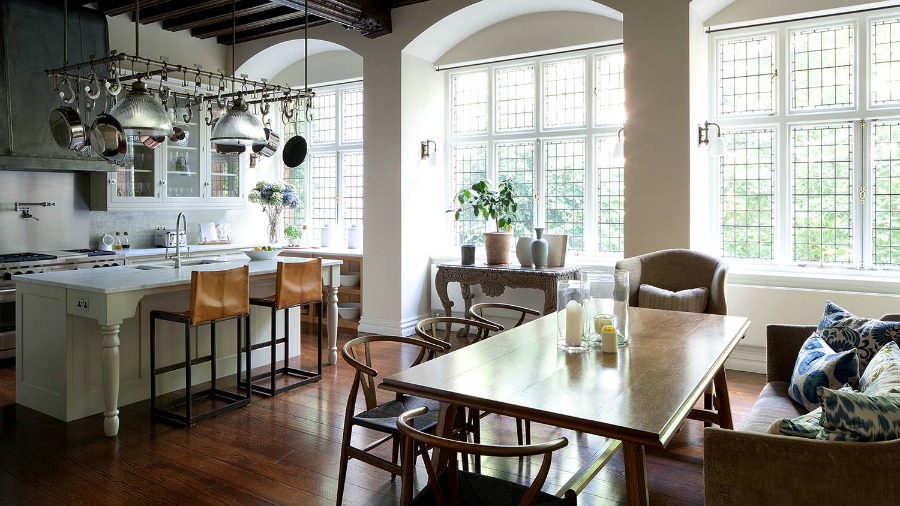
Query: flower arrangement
x=274, y=198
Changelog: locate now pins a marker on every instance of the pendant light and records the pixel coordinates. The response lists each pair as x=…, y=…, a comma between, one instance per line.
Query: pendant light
x=139, y=112
x=238, y=127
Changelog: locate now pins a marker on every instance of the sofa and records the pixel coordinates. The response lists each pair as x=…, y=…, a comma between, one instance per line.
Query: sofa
x=750, y=466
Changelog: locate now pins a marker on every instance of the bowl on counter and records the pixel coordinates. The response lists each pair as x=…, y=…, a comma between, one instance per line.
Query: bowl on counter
x=348, y=310
x=261, y=255
x=350, y=279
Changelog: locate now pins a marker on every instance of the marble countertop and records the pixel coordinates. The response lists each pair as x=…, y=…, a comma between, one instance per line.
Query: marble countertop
x=203, y=248
x=130, y=278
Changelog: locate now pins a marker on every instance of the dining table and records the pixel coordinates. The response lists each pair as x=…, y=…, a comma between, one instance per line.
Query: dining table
x=637, y=397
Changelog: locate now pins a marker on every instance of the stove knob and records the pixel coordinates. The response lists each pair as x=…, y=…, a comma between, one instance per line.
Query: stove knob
x=29, y=272
x=114, y=264
x=6, y=276
x=105, y=265
x=18, y=272
x=96, y=266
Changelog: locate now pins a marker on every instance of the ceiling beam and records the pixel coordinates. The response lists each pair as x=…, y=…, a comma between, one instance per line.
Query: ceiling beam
x=116, y=7
x=217, y=15
x=245, y=23
x=162, y=12
x=271, y=30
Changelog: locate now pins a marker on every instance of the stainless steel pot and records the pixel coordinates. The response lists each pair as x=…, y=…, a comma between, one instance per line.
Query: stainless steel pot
x=67, y=129
x=270, y=147
x=108, y=139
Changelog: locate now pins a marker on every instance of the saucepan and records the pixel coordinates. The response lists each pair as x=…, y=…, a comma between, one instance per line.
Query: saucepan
x=67, y=129
x=270, y=146
x=108, y=139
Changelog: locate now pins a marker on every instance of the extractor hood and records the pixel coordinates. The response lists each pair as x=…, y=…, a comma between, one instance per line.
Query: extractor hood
x=31, y=40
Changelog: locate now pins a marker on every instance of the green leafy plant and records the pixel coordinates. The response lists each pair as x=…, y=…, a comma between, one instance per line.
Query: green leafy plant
x=292, y=232
x=498, y=205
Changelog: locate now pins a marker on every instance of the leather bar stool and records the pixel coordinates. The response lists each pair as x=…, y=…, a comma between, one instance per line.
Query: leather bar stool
x=216, y=296
x=297, y=284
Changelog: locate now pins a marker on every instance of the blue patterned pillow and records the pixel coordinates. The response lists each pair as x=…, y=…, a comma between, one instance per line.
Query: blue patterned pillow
x=843, y=331
x=819, y=366
x=882, y=375
x=854, y=416
x=807, y=425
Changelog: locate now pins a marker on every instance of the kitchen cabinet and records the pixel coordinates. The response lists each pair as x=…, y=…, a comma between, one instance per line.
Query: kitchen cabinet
x=182, y=175
x=352, y=262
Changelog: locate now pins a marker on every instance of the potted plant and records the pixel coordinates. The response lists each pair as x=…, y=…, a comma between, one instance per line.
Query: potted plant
x=498, y=205
x=293, y=235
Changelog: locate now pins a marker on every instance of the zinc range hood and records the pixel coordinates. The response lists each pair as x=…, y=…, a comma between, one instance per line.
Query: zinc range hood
x=31, y=40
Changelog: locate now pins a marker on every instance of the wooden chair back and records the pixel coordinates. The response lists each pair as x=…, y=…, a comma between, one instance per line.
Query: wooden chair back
x=298, y=283
x=476, y=312
x=417, y=442
x=429, y=329
x=219, y=294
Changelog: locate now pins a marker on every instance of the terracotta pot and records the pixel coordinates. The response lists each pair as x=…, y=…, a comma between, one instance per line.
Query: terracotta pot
x=497, y=246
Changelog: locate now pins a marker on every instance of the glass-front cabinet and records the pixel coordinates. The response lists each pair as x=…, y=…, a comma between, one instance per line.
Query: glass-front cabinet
x=182, y=173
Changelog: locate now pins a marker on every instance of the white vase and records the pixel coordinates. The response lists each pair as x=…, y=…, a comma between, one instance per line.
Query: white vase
x=327, y=236
x=523, y=251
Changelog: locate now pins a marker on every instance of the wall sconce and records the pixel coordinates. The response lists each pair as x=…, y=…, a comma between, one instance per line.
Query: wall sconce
x=618, y=154
x=429, y=147
x=717, y=146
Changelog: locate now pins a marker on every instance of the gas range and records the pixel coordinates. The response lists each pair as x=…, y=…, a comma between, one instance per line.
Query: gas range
x=48, y=261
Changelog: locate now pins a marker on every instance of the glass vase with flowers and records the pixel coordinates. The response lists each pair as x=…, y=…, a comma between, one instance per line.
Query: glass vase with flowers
x=274, y=198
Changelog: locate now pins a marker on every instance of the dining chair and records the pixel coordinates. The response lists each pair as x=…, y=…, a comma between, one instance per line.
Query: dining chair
x=452, y=486
x=379, y=417
x=476, y=312
x=676, y=270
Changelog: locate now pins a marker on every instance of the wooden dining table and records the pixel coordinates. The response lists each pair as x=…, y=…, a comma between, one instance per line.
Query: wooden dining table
x=640, y=395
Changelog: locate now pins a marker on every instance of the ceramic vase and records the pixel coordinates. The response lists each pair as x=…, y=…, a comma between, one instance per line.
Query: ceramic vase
x=523, y=251
x=539, y=249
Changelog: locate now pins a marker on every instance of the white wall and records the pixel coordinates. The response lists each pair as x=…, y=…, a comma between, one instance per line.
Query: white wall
x=747, y=10
x=179, y=47
x=327, y=67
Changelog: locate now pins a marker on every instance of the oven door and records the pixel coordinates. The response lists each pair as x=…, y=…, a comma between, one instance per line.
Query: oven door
x=7, y=322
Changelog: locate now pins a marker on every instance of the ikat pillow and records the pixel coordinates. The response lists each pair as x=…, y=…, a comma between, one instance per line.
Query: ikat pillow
x=854, y=416
x=806, y=426
x=819, y=366
x=882, y=375
x=844, y=331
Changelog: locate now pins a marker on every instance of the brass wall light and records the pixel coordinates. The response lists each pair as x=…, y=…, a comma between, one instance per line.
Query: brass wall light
x=429, y=147
x=717, y=146
x=618, y=153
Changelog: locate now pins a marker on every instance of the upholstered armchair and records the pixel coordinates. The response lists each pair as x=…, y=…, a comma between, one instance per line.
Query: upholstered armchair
x=676, y=270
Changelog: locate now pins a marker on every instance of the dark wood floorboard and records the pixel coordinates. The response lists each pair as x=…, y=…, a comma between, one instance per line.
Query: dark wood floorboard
x=286, y=450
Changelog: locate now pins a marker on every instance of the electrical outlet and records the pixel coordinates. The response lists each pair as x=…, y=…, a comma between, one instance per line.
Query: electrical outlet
x=83, y=303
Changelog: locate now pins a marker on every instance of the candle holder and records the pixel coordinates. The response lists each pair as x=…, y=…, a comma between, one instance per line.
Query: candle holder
x=607, y=304
x=570, y=316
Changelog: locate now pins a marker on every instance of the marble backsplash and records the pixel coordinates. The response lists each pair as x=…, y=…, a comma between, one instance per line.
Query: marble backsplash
x=247, y=225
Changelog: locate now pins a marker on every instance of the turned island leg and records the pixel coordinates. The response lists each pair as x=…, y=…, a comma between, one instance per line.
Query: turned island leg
x=332, y=324
x=110, y=359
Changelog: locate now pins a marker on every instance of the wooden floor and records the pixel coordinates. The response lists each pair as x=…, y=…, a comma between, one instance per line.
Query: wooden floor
x=285, y=450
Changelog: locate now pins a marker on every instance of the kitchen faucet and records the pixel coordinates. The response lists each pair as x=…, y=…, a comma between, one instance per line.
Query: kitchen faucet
x=181, y=219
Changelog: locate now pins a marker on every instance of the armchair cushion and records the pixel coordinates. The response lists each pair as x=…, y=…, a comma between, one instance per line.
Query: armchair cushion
x=843, y=331
x=773, y=403
x=854, y=416
x=692, y=300
x=818, y=365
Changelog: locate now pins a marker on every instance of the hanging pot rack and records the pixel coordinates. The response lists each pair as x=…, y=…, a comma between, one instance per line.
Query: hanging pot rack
x=216, y=93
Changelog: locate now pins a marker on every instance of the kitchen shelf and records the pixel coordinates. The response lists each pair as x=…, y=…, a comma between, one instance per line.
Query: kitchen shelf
x=190, y=148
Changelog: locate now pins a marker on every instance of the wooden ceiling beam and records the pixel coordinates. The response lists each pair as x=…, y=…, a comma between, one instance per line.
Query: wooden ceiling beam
x=116, y=7
x=245, y=23
x=217, y=15
x=163, y=12
x=271, y=30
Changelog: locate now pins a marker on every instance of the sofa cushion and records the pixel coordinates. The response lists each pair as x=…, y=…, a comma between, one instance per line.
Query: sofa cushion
x=854, y=416
x=691, y=301
x=818, y=365
x=773, y=403
x=843, y=331
x=882, y=376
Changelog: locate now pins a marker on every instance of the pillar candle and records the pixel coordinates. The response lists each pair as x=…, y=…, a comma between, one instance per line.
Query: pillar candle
x=573, y=323
x=602, y=320
x=609, y=340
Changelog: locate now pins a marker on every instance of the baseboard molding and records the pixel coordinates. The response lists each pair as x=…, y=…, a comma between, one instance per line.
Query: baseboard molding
x=386, y=327
x=747, y=358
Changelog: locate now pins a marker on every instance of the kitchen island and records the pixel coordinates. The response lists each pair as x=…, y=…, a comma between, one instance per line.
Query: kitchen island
x=83, y=336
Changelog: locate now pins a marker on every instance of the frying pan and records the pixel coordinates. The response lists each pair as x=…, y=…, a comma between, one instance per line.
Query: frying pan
x=294, y=151
x=152, y=141
x=108, y=139
x=67, y=129
x=270, y=146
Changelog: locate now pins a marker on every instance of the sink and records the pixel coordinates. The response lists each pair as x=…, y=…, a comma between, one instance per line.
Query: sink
x=170, y=264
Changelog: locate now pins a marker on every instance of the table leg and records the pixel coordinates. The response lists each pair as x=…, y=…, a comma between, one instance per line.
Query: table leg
x=440, y=285
x=635, y=474
x=721, y=395
x=446, y=423
x=467, y=296
x=332, y=296
x=110, y=361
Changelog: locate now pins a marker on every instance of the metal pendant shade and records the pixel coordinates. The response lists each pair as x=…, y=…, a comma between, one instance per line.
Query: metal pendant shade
x=140, y=113
x=238, y=127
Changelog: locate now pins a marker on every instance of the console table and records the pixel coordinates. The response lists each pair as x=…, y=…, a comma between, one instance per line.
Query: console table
x=494, y=279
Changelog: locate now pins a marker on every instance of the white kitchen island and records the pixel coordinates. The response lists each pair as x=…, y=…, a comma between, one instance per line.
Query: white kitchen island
x=83, y=336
